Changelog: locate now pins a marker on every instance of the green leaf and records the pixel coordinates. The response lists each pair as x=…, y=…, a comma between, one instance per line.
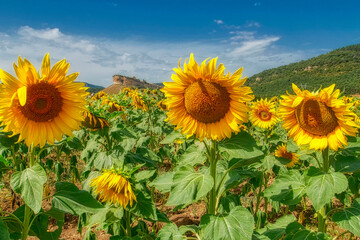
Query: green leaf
x=163, y=182
x=41, y=224
x=68, y=198
x=170, y=232
x=103, y=160
x=144, y=175
x=310, y=235
x=349, y=218
x=144, y=206
x=275, y=231
x=105, y=216
x=288, y=188
x=30, y=183
x=189, y=186
x=238, y=224
x=292, y=229
x=91, y=146
x=128, y=143
x=268, y=162
x=241, y=145
x=87, y=182
x=4, y=232
x=321, y=187
x=347, y=163
x=193, y=155
x=170, y=138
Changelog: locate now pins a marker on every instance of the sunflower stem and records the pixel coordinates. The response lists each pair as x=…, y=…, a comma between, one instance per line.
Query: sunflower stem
x=32, y=155
x=28, y=212
x=128, y=227
x=213, y=162
x=325, y=156
x=322, y=212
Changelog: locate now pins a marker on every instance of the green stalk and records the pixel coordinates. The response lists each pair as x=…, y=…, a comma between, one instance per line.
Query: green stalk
x=128, y=227
x=258, y=200
x=28, y=213
x=213, y=162
x=322, y=212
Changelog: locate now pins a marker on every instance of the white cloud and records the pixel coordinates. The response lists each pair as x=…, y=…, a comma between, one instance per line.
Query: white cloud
x=47, y=34
x=253, y=24
x=218, y=21
x=252, y=47
x=97, y=59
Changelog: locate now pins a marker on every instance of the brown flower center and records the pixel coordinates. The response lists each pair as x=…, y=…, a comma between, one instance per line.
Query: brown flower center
x=206, y=101
x=43, y=102
x=287, y=155
x=265, y=115
x=316, y=117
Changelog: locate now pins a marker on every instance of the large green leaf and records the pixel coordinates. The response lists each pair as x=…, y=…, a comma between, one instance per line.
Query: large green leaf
x=241, y=145
x=193, y=155
x=144, y=175
x=68, y=198
x=347, y=163
x=321, y=187
x=170, y=232
x=40, y=225
x=30, y=183
x=189, y=186
x=349, y=218
x=103, y=160
x=163, y=182
x=144, y=206
x=288, y=188
x=238, y=224
x=275, y=231
x=4, y=232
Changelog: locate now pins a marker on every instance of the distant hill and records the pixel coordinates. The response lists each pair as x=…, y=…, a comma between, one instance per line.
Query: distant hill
x=160, y=84
x=93, y=88
x=120, y=82
x=341, y=66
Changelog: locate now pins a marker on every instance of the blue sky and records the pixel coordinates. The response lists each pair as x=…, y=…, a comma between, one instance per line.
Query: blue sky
x=146, y=38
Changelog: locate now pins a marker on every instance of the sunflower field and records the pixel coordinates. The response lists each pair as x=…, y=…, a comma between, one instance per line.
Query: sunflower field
x=202, y=158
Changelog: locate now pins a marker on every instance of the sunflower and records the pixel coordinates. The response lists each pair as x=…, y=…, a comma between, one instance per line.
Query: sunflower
x=126, y=90
x=114, y=107
x=319, y=119
x=162, y=105
x=263, y=114
x=99, y=95
x=281, y=151
x=274, y=99
x=138, y=102
x=41, y=107
x=94, y=122
x=113, y=187
x=206, y=102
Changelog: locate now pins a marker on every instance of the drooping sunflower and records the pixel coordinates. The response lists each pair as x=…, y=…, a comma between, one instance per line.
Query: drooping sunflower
x=41, y=107
x=138, y=102
x=281, y=151
x=206, y=102
x=114, y=187
x=114, y=107
x=93, y=122
x=318, y=119
x=99, y=95
x=162, y=105
x=263, y=114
